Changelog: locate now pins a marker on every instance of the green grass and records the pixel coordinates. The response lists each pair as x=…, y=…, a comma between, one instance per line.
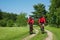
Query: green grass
x=39, y=36
x=55, y=31
x=13, y=33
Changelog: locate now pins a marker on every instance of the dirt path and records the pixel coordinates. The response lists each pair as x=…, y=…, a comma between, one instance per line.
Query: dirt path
x=30, y=36
x=50, y=35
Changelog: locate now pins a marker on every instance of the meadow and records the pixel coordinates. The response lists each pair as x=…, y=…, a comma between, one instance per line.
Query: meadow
x=13, y=33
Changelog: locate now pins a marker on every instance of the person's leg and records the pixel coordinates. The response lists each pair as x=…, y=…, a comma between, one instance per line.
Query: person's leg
x=42, y=28
x=31, y=28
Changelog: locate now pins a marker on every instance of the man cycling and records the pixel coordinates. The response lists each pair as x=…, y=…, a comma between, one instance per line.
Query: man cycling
x=41, y=22
x=31, y=22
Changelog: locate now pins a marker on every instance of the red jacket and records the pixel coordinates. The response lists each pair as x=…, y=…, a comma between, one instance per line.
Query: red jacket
x=30, y=21
x=42, y=20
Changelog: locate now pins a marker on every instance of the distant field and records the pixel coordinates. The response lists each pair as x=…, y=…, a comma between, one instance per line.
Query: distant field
x=13, y=33
x=55, y=31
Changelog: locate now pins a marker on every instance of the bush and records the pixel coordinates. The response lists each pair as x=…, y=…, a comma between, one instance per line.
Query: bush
x=3, y=23
x=10, y=23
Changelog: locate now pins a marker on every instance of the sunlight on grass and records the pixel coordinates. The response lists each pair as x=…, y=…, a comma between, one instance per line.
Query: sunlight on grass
x=39, y=36
x=55, y=31
x=11, y=33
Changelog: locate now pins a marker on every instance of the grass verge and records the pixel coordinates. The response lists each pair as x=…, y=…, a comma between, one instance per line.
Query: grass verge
x=39, y=36
x=55, y=31
x=13, y=33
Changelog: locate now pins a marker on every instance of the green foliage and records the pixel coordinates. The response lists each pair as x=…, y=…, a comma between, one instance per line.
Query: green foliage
x=7, y=19
x=36, y=22
x=21, y=20
x=39, y=10
x=3, y=22
x=55, y=12
x=10, y=23
x=0, y=14
x=48, y=18
x=11, y=19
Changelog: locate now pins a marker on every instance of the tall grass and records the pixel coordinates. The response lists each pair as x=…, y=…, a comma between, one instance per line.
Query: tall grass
x=13, y=33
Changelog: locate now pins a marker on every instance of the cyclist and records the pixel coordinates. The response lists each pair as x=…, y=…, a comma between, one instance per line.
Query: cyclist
x=41, y=22
x=31, y=22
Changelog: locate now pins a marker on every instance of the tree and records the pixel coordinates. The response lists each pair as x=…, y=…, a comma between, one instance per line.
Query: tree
x=7, y=18
x=39, y=10
x=21, y=20
x=55, y=12
x=10, y=23
x=3, y=22
x=0, y=14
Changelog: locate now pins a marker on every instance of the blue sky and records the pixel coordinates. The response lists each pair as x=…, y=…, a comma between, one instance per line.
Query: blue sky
x=17, y=6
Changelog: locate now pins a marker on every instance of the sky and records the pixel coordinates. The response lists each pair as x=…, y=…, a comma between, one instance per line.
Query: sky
x=18, y=6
